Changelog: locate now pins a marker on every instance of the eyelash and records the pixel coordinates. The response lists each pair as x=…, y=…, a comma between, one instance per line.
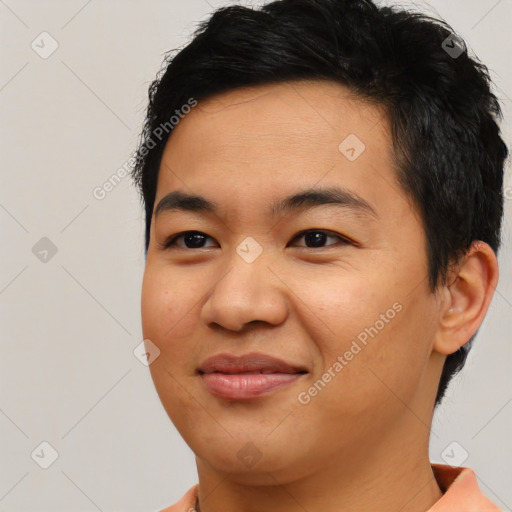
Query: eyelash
x=344, y=240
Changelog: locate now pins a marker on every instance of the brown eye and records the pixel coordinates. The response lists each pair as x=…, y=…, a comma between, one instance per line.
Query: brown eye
x=191, y=239
x=315, y=238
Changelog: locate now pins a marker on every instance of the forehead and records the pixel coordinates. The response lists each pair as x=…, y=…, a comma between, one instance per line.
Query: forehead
x=276, y=138
x=296, y=111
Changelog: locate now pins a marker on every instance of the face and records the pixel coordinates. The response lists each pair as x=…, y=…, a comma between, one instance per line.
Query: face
x=304, y=248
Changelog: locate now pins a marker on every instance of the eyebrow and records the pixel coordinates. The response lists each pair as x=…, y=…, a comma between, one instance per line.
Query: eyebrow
x=300, y=201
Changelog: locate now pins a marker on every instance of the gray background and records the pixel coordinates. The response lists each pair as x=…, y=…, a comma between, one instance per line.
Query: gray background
x=69, y=324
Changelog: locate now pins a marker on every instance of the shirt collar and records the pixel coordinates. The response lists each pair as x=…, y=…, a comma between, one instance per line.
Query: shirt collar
x=460, y=491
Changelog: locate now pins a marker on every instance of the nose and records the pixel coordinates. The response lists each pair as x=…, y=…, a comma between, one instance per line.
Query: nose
x=247, y=292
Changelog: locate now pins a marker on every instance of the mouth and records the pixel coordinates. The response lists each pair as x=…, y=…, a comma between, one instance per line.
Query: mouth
x=248, y=376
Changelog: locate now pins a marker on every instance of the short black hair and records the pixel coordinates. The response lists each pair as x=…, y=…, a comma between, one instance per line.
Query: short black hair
x=448, y=151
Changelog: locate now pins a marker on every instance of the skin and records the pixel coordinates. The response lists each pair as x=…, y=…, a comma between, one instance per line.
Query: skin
x=362, y=442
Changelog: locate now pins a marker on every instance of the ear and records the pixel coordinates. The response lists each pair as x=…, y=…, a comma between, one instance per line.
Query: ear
x=466, y=297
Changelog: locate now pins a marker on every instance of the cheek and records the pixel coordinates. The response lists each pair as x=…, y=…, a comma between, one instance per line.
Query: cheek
x=382, y=332
x=341, y=305
x=165, y=300
x=167, y=310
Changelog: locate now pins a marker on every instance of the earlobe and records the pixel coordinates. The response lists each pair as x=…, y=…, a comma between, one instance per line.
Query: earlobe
x=468, y=296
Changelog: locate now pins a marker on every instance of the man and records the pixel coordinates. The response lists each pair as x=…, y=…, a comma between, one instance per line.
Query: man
x=322, y=181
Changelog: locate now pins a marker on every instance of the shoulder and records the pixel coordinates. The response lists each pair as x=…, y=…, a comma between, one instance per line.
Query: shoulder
x=187, y=502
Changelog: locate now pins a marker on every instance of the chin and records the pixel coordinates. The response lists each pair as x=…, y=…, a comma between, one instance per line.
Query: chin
x=252, y=462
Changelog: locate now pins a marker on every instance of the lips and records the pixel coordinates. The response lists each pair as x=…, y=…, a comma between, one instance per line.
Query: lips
x=248, y=363
x=248, y=376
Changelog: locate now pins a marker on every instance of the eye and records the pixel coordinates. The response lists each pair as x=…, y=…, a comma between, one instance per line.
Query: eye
x=315, y=238
x=191, y=239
